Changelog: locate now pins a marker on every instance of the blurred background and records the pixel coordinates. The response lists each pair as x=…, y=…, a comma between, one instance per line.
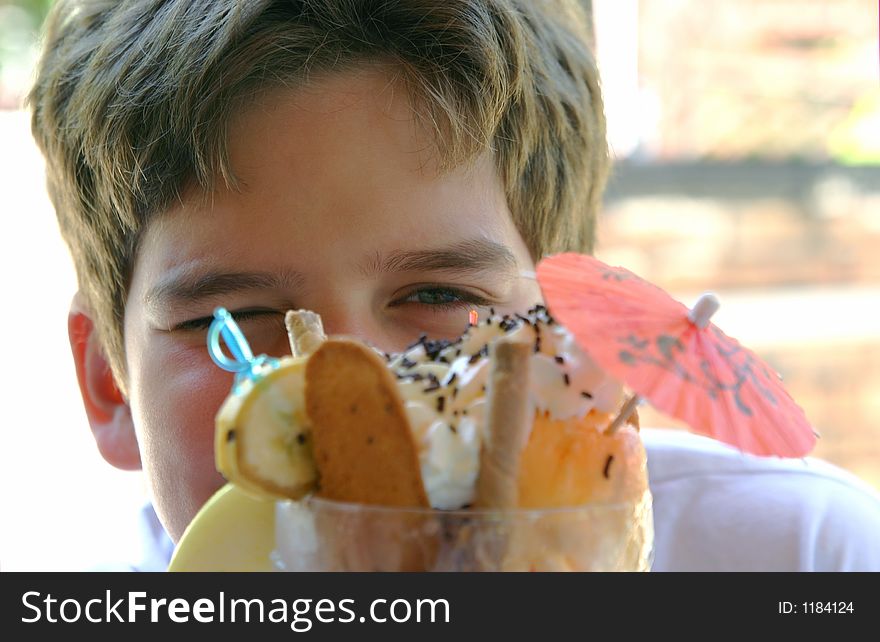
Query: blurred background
x=62, y=507
x=747, y=141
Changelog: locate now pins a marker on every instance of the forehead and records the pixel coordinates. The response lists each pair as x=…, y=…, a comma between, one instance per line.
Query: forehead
x=341, y=161
x=335, y=125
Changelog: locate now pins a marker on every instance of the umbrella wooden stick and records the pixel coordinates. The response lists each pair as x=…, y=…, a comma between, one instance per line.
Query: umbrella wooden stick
x=625, y=412
x=703, y=309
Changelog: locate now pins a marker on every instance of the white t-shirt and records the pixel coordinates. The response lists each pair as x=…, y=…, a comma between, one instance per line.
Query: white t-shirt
x=716, y=509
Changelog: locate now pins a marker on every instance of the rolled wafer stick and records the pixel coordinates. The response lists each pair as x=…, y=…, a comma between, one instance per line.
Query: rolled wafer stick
x=305, y=331
x=510, y=416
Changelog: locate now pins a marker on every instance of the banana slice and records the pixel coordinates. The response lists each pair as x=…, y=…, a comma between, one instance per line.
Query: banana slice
x=232, y=532
x=263, y=443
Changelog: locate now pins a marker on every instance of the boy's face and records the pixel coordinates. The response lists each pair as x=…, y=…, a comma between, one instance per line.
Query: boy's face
x=340, y=210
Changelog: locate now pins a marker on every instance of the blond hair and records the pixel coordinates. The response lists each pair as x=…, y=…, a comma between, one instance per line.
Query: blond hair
x=133, y=98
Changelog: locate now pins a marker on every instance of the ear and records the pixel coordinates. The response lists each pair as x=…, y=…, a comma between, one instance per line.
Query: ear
x=107, y=409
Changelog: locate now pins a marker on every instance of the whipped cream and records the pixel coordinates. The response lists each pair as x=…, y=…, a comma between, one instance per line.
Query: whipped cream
x=443, y=386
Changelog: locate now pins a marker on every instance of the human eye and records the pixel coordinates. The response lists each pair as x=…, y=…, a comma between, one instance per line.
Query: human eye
x=262, y=327
x=440, y=311
x=242, y=317
x=440, y=298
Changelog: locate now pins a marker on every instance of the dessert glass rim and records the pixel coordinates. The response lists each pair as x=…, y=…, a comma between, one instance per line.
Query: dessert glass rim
x=320, y=503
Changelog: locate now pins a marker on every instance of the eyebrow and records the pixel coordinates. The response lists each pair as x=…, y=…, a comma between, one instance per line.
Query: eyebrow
x=467, y=257
x=189, y=286
x=462, y=258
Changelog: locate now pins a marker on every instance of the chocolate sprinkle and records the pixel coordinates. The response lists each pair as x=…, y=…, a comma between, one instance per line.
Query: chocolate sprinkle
x=441, y=402
x=508, y=323
x=474, y=358
x=434, y=348
x=454, y=391
x=417, y=343
x=586, y=395
x=607, y=465
x=300, y=439
x=559, y=359
x=453, y=428
x=406, y=363
x=565, y=378
x=230, y=436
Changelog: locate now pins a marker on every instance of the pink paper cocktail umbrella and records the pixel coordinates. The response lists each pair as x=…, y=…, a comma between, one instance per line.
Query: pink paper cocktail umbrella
x=675, y=358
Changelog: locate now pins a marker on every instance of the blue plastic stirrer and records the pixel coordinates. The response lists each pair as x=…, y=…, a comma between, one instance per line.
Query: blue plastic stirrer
x=243, y=363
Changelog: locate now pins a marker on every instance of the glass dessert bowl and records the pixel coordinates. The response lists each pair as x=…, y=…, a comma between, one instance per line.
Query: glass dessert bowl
x=317, y=534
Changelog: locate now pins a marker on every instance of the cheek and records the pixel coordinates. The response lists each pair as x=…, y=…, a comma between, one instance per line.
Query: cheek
x=178, y=395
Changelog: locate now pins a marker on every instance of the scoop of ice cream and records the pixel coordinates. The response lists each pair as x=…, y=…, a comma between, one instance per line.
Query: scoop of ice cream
x=443, y=385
